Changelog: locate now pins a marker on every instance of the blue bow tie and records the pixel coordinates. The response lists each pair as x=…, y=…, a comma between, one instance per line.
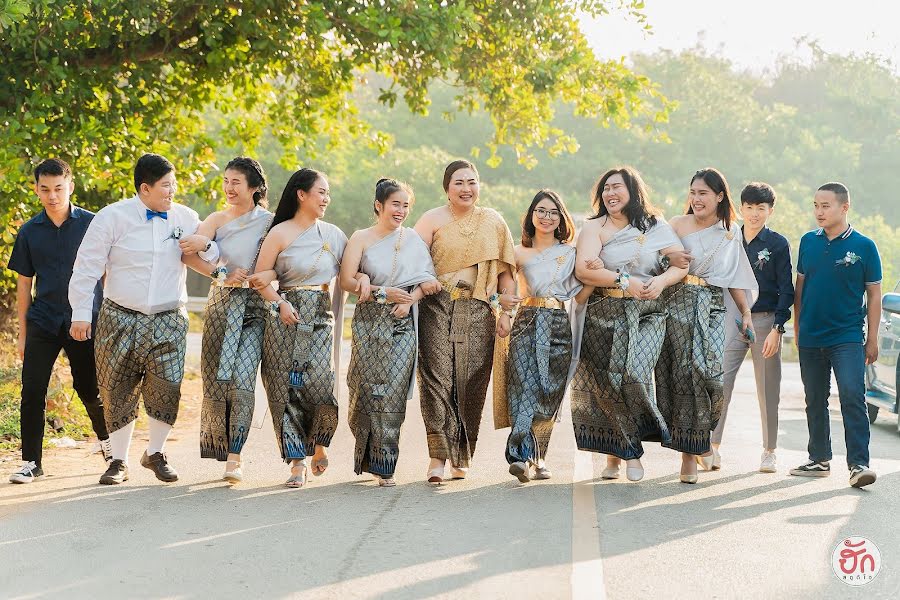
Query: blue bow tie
x=153, y=213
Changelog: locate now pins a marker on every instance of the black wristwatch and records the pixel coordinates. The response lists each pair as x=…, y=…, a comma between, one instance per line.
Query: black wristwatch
x=779, y=328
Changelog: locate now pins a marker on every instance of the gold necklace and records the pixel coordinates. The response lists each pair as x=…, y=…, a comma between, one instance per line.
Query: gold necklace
x=326, y=247
x=468, y=221
x=396, y=253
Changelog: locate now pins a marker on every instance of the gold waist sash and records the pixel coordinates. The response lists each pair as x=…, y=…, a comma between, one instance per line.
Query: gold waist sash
x=322, y=287
x=543, y=303
x=694, y=280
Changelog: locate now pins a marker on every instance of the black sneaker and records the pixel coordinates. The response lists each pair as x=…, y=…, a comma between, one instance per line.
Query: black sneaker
x=813, y=469
x=106, y=450
x=157, y=463
x=861, y=476
x=117, y=472
x=26, y=473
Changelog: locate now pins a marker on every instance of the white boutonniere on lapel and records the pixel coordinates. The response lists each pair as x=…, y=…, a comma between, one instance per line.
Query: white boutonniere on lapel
x=762, y=257
x=176, y=234
x=850, y=258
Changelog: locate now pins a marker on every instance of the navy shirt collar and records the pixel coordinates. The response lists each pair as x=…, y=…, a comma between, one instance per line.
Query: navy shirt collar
x=74, y=213
x=762, y=236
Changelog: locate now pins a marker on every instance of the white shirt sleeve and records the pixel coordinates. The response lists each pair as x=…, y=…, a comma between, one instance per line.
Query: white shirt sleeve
x=90, y=265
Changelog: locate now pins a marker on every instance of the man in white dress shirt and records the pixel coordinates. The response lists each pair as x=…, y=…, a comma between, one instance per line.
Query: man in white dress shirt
x=142, y=326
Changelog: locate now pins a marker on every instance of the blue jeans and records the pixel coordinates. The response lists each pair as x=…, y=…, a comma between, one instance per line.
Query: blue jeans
x=849, y=364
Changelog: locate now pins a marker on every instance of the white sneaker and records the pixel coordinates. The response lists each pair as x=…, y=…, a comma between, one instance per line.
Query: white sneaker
x=26, y=473
x=767, y=463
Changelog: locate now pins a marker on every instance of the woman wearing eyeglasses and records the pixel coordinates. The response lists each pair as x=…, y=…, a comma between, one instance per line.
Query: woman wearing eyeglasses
x=529, y=385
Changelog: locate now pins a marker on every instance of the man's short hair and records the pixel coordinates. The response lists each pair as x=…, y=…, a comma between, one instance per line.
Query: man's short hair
x=53, y=167
x=840, y=191
x=757, y=192
x=149, y=169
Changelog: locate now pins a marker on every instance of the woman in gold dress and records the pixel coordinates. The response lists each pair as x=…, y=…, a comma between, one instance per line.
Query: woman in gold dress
x=472, y=251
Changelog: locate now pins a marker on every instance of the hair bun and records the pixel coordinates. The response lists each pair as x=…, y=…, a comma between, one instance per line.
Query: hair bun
x=382, y=180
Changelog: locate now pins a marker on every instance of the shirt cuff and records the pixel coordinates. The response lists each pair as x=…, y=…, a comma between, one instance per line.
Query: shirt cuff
x=86, y=315
x=210, y=255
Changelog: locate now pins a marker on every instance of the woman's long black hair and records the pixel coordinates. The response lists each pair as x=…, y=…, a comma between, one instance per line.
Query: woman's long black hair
x=304, y=179
x=640, y=212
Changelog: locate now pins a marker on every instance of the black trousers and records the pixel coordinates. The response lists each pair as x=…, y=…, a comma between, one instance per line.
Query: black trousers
x=41, y=350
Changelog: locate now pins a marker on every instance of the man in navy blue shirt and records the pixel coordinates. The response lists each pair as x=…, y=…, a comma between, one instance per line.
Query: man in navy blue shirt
x=770, y=257
x=45, y=249
x=838, y=282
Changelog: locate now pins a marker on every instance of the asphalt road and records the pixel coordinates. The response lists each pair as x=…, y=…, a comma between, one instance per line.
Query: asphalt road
x=736, y=534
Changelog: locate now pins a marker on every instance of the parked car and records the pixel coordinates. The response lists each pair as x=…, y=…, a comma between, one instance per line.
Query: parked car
x=883, y=377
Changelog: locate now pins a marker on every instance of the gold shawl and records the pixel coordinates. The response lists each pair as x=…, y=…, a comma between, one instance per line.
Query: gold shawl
x=482, y=240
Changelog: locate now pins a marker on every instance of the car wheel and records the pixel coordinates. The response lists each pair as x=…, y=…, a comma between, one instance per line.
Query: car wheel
x=873, y=413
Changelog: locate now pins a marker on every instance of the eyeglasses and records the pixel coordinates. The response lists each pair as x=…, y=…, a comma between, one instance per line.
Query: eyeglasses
x=551, y=215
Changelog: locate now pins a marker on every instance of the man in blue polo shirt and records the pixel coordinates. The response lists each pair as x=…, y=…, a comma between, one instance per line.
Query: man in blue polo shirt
x=838, y=282
x=45, y=249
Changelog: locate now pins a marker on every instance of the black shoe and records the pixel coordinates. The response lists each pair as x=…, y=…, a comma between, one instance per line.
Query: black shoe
x=813, y=469
x=106, y=450
x=117, y=472
x=27, y=473
x=861, y=476
x=159, y=465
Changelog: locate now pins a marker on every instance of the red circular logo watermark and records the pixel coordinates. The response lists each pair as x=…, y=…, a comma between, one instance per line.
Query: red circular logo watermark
x=856, y=560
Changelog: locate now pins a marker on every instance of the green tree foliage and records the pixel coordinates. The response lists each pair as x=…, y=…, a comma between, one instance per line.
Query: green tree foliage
x=829, y=118
x=100, y=82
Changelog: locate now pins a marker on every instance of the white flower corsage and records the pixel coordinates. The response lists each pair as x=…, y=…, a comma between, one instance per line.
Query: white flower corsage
x=219, y=275
x=762, y=257
x=176, y=234
x=380, y=295
x=849, y=259
x=273, y=307
x=495, y=304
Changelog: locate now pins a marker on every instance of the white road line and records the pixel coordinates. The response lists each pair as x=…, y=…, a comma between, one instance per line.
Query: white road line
x=587, y=565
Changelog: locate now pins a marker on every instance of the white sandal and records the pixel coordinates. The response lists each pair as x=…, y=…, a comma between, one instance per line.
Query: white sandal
x=233, y=475
x=435, y=474
x=458, y=472
x=385, y=481
x=297, y=481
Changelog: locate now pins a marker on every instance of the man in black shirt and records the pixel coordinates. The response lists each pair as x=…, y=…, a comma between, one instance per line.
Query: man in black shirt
x=770, y=256
x=45, y=248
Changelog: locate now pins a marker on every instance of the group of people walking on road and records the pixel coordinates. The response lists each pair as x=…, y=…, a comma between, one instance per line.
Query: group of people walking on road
x=648, y=321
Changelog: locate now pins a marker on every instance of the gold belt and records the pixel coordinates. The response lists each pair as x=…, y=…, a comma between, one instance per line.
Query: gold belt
x=456, y=292
x=543, y=302
x=614, y=293
x=322, y=287
x=694, y=280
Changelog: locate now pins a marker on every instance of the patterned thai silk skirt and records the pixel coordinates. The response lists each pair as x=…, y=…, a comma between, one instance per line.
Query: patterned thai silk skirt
x=139, y=355
x=689, y=373
x=613, y=403
x=232, y=349
x=537, y=367
x=456, y=351
x=381, y=367
x=298, y=375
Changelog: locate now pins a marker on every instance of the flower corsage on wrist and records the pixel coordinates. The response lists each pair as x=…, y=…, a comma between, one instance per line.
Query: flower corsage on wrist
x=380, y=295
x=274, y=305
x=218, y=275
x=622, y=280
x=497, y=308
